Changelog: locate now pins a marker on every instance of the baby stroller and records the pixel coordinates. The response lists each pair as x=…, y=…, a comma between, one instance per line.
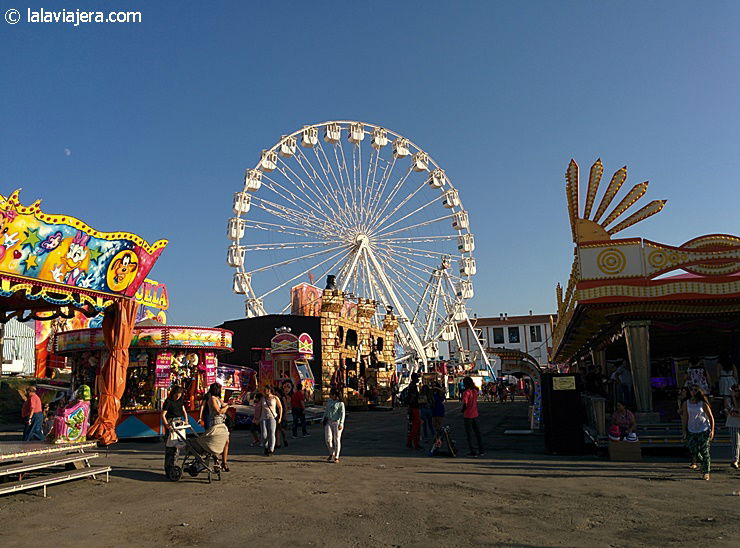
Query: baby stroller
x=444, y=445
x=196, y=458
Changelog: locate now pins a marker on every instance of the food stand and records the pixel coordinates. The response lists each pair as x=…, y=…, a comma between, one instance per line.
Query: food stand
x=236, y=381
x=159, y=357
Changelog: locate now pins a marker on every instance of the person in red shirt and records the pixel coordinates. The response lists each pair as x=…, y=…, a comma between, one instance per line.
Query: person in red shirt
x=298, y=408
x=33, y=415
x=470, y=417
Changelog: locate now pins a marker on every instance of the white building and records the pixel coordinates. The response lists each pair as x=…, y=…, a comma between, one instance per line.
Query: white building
x=18, y=347
x=531, y=334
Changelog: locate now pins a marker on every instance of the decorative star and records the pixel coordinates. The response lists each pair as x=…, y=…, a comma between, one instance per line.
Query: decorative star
x=32, y=238
x=94, y=254
x=29, y=264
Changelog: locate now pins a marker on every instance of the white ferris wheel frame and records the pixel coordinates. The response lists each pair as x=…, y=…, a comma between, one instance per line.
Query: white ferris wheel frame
x=339, y=198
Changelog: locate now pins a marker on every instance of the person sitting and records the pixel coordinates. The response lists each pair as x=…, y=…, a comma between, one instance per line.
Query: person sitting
x=624, y=419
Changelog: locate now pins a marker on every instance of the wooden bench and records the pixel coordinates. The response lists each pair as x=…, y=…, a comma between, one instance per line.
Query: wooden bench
x=50, y=479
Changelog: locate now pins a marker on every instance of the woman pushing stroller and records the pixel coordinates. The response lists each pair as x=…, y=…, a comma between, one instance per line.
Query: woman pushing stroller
x=212, y=417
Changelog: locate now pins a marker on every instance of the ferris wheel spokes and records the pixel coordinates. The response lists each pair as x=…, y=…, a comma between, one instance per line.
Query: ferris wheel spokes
x=301, y=274
x=418, y=225
x=402, y=316
x=417, y=210
x=368, y=215
x=389, y=199
x=310, y=209
x=317, y=180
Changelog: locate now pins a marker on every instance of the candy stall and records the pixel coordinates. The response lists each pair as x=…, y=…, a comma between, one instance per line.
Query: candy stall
x=160, y=356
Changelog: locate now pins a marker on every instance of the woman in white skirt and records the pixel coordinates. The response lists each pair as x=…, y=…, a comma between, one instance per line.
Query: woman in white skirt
x=333, y=424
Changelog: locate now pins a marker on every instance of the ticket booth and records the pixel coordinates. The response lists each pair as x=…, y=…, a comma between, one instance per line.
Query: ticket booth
x=288, y=359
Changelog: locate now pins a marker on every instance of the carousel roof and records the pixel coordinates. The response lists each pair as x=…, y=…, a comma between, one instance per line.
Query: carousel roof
x=162, y=336
x=54, y=265
x=619, y=280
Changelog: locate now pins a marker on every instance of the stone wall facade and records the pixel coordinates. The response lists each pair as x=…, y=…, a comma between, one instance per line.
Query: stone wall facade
x=347, y=334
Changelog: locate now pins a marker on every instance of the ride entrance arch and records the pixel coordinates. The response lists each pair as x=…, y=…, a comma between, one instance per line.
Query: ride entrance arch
x=515, y=361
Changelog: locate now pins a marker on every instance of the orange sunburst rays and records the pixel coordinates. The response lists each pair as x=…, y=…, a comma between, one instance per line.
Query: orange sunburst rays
x=587, y=229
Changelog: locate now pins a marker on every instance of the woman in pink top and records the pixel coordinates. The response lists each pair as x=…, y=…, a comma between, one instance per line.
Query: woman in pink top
x=470, y=417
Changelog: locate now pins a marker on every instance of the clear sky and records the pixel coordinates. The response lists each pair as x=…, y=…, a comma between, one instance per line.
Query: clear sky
x=148, y=127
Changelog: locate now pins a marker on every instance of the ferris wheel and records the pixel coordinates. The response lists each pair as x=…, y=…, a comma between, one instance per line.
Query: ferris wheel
x=367, y=205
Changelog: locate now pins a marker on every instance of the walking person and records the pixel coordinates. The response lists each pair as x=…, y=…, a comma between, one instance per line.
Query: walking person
x=394, y=390
x=470, y=417
x=425, y=411
x=727, y=378
x=414, y=415
x=622, y=376
x=298, y=409
x=174, y=407
x=282, y=424
x=438, y=407
x=733, y=425
x=697, y=375
x=213, y=419
x=271, y=413
x=33, y=415
x=333, y=424
x=254, y=426
x=683, y=395
x=698, y=428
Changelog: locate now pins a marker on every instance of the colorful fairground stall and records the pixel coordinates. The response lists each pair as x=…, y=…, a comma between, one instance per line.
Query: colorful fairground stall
x=287, y=359
x=648, y=305
x=160, y=356
x=55, y=266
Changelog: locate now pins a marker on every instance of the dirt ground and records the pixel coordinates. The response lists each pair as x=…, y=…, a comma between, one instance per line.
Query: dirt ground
x=383, y=494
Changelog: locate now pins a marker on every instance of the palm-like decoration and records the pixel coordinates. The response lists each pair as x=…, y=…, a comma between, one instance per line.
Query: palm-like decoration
x=592, y=229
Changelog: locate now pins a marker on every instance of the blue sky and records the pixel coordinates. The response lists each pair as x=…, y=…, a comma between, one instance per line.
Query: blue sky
x=162, y=117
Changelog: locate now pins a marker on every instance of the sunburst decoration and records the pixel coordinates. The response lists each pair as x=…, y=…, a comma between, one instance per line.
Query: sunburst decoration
x=591, y=230
x=594, y=178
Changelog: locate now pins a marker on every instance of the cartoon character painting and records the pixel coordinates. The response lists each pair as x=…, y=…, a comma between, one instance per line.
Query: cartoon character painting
x=51, y=242
x=66, y=251
x=122, y=270
x=11, y=230
x=68, y=262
